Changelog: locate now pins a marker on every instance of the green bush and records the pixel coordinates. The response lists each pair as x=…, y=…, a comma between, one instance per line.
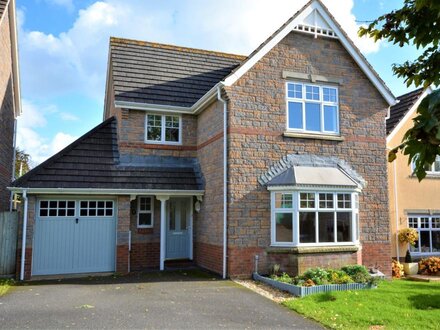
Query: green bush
x=339, y=277
x=357, y=273
x=317, y=275
x=285, y=278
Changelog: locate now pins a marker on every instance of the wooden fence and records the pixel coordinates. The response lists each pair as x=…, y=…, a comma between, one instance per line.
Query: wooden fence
x=8, y=242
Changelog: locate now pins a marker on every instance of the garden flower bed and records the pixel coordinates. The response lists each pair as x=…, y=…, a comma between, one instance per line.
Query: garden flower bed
x=319, y=280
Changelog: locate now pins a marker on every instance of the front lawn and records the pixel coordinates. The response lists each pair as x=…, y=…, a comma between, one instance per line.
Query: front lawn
x=397, y=304
x=5, y=286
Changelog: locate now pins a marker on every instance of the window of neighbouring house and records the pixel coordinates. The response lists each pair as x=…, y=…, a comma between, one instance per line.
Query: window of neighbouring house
x=163, y=128
x=145, y=212
x=433, y=168
x=312, y=108
x=428, y=228
x=314, y=218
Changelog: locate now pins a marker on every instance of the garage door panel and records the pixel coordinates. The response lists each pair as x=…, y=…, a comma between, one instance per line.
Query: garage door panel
x=52, y=250
x=93, y=253
x=77, y=244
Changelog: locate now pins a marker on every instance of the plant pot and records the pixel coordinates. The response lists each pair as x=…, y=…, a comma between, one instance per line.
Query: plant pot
x=410, y=268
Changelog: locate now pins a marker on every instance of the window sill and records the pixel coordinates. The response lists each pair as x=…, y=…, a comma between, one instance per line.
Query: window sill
x=312, y=249
x=314, y=136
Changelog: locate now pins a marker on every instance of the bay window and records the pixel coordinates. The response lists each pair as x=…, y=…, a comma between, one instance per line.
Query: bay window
x=312, y=108
x=314, y=218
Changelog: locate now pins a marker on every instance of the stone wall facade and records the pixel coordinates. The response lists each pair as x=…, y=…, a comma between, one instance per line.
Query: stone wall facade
x=6, y=113
x=257, y=116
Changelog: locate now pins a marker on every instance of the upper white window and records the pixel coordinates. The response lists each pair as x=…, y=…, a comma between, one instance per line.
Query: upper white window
x=165, y=129
x=312, y=108
x=145, y=213
x=314, y=218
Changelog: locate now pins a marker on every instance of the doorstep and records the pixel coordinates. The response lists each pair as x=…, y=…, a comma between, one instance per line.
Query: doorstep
x=423, y=278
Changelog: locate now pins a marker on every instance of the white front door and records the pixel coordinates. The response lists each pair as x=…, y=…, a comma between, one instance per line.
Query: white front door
x=178, y=231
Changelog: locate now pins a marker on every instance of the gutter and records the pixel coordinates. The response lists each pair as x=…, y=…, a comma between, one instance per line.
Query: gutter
x=225, y=178
x=23, y=242
x=96, y=191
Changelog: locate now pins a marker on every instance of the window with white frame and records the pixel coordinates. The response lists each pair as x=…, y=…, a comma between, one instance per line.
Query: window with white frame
x=94, y=208
x=163, y=128
x=314, y=218
x=433, y=168
x=428, y=228
x=312, y=108
x=57, y=208
x=145, y=212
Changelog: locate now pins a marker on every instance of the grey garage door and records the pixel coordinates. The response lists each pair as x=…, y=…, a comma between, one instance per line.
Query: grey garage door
x=74, y=236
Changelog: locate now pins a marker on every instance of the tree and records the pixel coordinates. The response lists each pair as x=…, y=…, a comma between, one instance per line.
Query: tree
x=22, y=163
x=417, y=23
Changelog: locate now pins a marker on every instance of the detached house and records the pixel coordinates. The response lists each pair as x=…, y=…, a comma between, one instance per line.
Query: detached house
x=413, y=204
x=9, y=97
x=219, y=158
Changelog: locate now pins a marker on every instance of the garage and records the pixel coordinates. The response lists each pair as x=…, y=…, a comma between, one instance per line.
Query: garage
x=74, y=236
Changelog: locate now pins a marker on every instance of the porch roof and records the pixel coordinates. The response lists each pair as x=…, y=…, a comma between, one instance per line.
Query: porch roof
x=93, y=162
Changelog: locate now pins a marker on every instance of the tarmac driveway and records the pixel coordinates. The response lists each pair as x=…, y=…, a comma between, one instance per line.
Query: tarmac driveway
x=176, y=300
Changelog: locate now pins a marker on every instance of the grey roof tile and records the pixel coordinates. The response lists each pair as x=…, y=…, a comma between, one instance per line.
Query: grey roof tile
x=154, y=73
x=400, y=109
x=93, y=161
x=3, y=5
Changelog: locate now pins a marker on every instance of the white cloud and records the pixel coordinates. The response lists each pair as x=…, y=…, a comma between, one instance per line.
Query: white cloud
x=68, y=4
x=75, y=60
x=66, y=116
x=31, y=141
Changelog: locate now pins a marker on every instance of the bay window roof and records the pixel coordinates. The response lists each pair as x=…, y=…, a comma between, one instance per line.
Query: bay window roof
x=312, y=170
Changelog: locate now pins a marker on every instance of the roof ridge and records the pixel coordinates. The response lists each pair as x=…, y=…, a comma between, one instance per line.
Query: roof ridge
x=415, y=91
x=62, y=152
x=114, y=40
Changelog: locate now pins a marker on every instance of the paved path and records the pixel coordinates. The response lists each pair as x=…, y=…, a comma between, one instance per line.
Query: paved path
x=178, y=300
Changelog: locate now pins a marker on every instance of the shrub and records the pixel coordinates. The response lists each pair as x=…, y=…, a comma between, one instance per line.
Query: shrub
x=339, y=277
x=357, y=273
x=317, y=275
x=429, y=266
x=285, y=278
x=397, y=269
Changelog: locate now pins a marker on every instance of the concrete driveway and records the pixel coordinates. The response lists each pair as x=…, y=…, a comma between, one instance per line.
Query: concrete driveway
x=175, y=300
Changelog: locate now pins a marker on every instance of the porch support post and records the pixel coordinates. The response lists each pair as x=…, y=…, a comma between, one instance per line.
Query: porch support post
x=163, y=199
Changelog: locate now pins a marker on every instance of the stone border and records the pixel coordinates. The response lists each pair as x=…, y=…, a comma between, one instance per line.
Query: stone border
x=302, y=291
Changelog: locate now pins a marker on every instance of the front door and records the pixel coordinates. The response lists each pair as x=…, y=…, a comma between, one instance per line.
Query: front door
x=178, y=229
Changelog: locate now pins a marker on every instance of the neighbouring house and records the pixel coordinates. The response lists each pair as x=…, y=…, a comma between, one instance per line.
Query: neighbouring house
x=219, y=158
x=412, y=203
x=9, y=98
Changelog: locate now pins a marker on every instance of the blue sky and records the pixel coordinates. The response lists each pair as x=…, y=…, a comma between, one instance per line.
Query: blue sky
x=63, y=47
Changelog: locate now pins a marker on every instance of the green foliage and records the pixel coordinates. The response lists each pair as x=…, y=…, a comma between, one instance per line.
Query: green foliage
x=22, y=163
x=318, y=275
x=285, y=278
x=357, y=273
x=422, y=142
x=339, y=277
x=5, y=285
x=397, y=304
x=418, y=23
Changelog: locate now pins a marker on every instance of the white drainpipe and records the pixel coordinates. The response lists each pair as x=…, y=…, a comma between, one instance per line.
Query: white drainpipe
x=23, y=242
x=14, y=144
x=225, y=178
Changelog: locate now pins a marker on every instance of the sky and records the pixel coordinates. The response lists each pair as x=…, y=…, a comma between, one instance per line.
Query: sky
x=63, y=50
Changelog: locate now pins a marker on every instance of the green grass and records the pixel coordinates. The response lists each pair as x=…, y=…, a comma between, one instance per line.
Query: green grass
x=5, y=285
x=397, y=304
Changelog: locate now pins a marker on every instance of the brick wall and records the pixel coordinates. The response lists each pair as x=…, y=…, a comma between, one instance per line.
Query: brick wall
x=208, y=223
x=6, y=113
x=132, y=137
x=257, y=115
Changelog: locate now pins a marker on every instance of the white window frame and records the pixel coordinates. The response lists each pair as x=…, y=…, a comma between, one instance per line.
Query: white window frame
x=88, y=208
x=163, y=123
x=321, y=102
x=57, y=208
x=145, y=212
x=431, y=171
x=429, y=229
x=295, y=210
